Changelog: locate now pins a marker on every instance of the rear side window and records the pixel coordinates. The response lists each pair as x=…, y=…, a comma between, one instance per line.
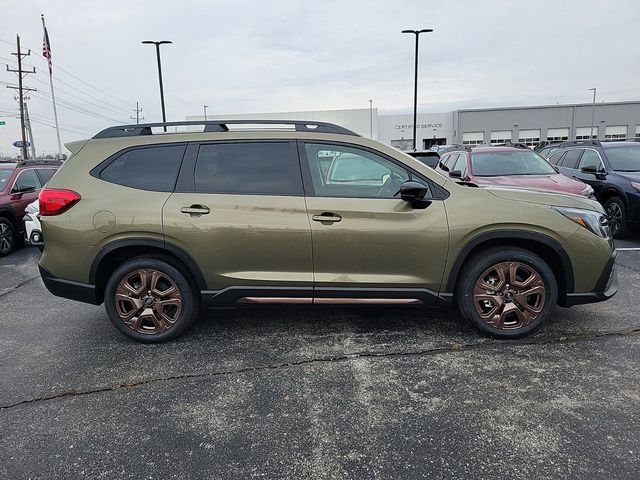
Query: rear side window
x=45, y=174
x=254, y=168
x=555, y=158
x=570, y=160
x=148, y=168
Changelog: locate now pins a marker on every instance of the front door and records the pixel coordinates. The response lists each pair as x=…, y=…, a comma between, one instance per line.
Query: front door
x=367, y=242
x=240, y=213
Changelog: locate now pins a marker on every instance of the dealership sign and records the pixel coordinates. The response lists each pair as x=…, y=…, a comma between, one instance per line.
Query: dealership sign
x=19, y=144
x=419, y=125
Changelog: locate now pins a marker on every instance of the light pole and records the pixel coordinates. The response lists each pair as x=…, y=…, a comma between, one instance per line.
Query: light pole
x=204, y=107
x=371, y=118
x=415, y=85
x=157, y=44
x=593, y=111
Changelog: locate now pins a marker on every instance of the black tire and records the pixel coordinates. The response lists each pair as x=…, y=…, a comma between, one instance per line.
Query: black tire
x=512, y=325
x=151, y=326
x=7, y=237
x=617, y=213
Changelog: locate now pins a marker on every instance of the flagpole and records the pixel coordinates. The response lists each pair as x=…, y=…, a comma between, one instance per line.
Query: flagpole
x=53, y=97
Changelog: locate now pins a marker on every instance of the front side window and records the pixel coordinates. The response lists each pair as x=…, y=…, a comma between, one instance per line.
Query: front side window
x=341, y=171
x=149, y=168
x=522, y=162
x=590, y=159
x=461, y=165
x=252, y=168
x=45, y=174
x=26, y=179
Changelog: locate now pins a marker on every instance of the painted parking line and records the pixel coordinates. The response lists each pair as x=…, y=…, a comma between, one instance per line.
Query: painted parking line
x=628, y=249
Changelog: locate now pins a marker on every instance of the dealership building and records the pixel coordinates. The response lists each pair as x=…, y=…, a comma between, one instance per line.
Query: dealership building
x=612, y=121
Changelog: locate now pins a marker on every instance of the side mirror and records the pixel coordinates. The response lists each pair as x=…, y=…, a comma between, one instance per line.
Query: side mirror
x=20, y=191
x=413, y=193
x=455, y=174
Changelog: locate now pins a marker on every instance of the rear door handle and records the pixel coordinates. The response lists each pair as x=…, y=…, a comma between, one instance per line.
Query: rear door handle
x=195, y=210
x=327, y=218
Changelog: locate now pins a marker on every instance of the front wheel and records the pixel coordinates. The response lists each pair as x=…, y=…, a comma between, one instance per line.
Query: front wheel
x=507, y=292
x=150, y=301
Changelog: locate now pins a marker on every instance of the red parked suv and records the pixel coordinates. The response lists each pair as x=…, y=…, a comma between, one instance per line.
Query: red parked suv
x=516, y=166
x=20, y=184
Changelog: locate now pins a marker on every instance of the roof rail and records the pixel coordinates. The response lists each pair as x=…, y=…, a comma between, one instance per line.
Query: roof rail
x=26, y=163
x=573, y=143
x=221, y=126
x=516, y=145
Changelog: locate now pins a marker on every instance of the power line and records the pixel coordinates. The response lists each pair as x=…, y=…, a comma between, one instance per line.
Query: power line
x=71, y=106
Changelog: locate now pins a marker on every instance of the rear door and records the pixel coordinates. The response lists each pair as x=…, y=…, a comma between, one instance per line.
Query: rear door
x=367, y=242
x=26, y=181
x=239, y=212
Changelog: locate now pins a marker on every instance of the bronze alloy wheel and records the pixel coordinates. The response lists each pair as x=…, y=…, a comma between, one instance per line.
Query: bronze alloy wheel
x=148, y=301
x=509, y=295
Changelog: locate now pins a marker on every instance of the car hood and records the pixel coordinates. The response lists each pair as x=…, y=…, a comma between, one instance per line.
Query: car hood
x=544, y=197
x=633, y=176
x=555, y=182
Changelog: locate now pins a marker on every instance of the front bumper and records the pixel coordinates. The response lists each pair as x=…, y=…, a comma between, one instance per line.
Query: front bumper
x=82, y=292
x=606, y=287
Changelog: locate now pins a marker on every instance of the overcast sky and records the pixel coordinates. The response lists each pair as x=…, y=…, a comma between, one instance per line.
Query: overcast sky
x=269, y=56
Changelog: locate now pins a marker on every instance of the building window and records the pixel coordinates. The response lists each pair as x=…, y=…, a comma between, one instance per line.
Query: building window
x=637, y=133
x=557, y=134
x=615, y=133
x=584, y=133
x=473, y=138
x=530, y=138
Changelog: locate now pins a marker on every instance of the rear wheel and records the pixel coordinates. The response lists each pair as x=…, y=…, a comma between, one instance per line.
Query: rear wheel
x=617, y=217
x=150, y=301
x=7, y=237
x=507, y=292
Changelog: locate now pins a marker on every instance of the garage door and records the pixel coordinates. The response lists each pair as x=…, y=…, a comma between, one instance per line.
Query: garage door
x=473, y=138
x=557, y=134
x=615, y=133
x=500, y=137
x=584, y=133
x=529, y=137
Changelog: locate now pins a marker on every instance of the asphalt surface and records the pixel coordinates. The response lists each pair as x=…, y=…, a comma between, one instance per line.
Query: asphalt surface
x=323, y=393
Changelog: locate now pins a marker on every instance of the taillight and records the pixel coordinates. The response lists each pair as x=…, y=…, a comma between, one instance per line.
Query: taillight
x=55, y=202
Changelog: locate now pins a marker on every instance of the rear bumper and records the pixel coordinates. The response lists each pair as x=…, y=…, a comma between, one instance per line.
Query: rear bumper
x=82, y=292
x=606, y=288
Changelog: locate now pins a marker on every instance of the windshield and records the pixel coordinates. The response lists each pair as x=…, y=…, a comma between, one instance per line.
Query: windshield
x=524, y=162
x=624, y=159
x=5, y=175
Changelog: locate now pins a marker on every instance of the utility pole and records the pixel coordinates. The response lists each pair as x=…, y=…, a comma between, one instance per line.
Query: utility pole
x=27, y=121
x=593, y=111
x=137, y=118
x=204, y=107
x=21, y=74
x=370, y=118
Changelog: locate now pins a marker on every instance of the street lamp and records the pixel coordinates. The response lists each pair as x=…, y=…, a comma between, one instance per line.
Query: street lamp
x=157, y=44
x=415, y=86
x=204, y=107
x=593, y=111
x=371, y=118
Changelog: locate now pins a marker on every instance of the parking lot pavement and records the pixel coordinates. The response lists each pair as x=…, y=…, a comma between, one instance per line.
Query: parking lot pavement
x=320, y=393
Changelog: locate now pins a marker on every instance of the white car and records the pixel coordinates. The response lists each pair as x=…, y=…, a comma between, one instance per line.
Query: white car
x=32, y=228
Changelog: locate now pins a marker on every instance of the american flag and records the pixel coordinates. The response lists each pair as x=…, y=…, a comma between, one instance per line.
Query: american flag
x=46, y=47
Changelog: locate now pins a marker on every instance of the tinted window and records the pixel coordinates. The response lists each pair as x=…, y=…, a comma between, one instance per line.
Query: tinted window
x=570, y=160
x=5, y=175
x=26, y=179
x=45, y=174
x=624, y=159
x=521, y=162
x=590, y=158
x=556, y=158
x=247, y=168
x=353, y=172
x=149, y=168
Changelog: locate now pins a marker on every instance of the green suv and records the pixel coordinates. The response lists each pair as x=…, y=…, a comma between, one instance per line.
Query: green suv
x=158, y=225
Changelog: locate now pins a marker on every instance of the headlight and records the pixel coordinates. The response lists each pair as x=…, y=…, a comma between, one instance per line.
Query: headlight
x=587, y=191
x=595, y=222
x=636, y=186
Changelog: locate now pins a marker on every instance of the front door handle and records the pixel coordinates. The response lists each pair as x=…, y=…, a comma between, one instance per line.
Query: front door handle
x=327, y=218
x=194, y=210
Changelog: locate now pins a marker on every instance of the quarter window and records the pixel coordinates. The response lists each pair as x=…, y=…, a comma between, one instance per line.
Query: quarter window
x=267, y=168
x=341, y=171
x=149, y=168
x=26, y=179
